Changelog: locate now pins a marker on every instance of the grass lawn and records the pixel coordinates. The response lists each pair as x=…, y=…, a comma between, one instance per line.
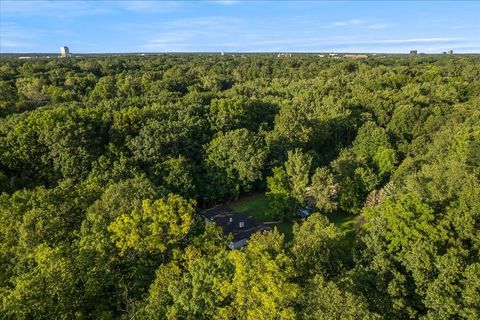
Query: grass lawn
x=257, y=206
x=343, y=220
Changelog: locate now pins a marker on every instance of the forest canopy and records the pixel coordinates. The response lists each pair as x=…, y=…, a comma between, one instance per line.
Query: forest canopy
x=106, y=164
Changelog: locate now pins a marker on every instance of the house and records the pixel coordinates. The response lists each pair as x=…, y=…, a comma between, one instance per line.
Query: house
x=240, y=226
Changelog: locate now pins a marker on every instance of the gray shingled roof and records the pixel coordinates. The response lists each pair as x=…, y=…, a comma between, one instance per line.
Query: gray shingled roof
x=230, y=222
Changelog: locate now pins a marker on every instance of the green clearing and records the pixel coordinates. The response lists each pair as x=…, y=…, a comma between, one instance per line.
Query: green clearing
x=257, y=207
x=343, y=220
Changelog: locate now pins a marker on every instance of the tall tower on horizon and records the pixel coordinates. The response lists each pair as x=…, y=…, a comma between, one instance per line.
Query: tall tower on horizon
x=64, y=52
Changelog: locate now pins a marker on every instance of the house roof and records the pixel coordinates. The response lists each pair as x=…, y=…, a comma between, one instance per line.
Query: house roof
x=239, y=225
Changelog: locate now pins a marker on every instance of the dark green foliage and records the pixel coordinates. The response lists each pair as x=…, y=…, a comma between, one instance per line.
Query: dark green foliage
x=239, y=156
x=325, y=300
x=287, y=186
x=316, y=247
x=105, y=163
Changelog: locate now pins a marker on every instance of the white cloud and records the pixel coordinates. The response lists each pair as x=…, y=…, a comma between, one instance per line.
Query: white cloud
x=58, y=9
x=349, y=44
x=379, y=26
x=351, y=22
x=13, y=30
x=225, y=2
x=67, y=9
x=359, y=22
x=195, y=34
x=212, y=22
x=12, y=44
x=148, y=6
x=414, y=40
x=14, y=36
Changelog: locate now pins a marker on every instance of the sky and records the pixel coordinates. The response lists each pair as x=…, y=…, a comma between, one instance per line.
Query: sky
x=239, y=26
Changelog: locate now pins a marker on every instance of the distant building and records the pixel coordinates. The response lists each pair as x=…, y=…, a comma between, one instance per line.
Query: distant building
x=64, y=52
x=284, y=55
x=222, y=53
x=356, y=56
x=413, y=51
x=450, y=51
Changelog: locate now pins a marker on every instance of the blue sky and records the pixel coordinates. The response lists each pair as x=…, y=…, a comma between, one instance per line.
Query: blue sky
x=248, y=26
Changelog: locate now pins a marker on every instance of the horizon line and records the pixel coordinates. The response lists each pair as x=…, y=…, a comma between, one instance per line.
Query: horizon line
x=239, y=52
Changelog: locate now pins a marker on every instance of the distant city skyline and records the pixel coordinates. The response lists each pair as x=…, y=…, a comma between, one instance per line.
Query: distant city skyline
x=239, y=26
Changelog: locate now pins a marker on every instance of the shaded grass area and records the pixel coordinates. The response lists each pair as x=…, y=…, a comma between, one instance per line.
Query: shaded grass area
x=343, y=220
x=257, y=206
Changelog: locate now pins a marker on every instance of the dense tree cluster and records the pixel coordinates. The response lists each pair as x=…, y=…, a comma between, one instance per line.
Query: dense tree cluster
x=106, y=162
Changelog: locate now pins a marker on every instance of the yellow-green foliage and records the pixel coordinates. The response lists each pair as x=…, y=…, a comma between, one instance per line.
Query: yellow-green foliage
x=157, y=225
